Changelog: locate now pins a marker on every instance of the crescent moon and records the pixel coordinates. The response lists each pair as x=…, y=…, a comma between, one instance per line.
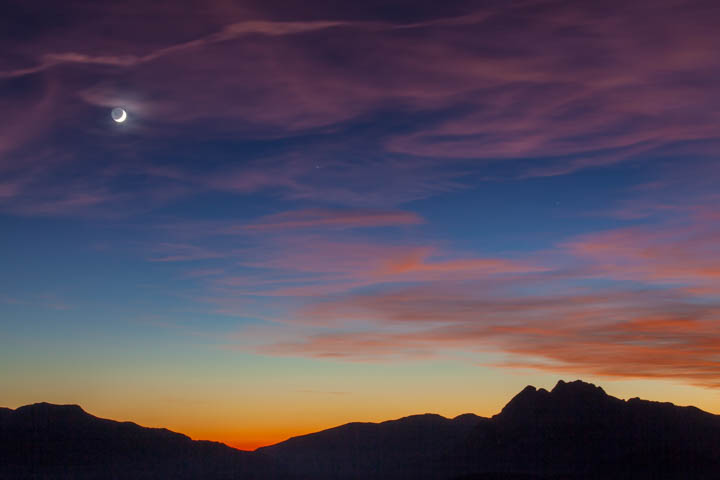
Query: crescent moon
x=122, y=117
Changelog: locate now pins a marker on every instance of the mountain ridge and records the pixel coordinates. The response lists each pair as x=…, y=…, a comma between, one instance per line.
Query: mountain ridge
x=575, y=430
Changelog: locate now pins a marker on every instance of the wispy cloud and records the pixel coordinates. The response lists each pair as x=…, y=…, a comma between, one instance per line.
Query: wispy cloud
x=342, y=121
x=609, y=333
x=314, y=265
x=179, y=252
x=687, y=254
x=229, y=32
x=326, y=218
x=542, y=89
x=654, y=313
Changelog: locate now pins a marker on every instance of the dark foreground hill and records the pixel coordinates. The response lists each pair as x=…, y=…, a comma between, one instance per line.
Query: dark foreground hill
x=65, y=442
x=573, y=432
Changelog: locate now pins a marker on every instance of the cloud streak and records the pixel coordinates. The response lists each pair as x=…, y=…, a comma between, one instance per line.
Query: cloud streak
x=307, y=145
x=229, y=32
x=325, y=218
x=616, y=334
x=663, y=324
x=542, y=89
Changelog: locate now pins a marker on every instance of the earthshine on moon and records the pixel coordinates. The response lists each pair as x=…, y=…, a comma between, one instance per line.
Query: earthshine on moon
x=118, y=114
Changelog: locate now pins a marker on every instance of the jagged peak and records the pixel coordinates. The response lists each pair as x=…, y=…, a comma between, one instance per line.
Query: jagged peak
x=563, y=395
x=577, y=387
x=527, y=397
x=530, y=391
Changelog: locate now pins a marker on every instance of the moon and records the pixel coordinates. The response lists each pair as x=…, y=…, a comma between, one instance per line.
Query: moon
x=118, y=114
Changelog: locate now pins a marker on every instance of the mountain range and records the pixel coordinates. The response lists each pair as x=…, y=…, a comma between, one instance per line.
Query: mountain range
x=575, y=431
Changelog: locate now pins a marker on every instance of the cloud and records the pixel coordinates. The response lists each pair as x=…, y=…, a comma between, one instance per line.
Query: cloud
x=541, y=89
x=178, y=252
x=229, y=32
x=327, y=218
x=687, y=254
x=314, y=265
x=29, y=109
x=10, y=189
x=640, y=302
x=349, y=117
x=613, y=334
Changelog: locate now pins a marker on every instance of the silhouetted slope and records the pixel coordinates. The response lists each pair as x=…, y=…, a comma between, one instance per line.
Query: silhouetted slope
x=576, y=431
x=411, y=447
x=63, y=441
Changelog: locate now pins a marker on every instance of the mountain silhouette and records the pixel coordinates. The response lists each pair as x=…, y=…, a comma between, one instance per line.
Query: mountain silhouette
x=411, y=447
x=578, y=431
x=575, y=431
x=63, y=441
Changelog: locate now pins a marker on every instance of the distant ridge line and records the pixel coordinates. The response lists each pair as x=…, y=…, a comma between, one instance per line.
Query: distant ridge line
x=573, y=431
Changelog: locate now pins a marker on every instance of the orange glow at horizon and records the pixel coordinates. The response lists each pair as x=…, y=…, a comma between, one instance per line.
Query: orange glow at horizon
x=249, y=427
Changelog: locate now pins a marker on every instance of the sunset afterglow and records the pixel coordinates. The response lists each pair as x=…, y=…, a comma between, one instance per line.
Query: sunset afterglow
x=302, y=217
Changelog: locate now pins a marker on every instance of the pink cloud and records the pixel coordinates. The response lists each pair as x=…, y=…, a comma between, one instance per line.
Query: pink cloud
x=550, y=87
x=613, y=335
x=686, y=253
x=665, y=325
x=306, y=265
x=174, y=252
x=10, y=189
x=28, y=115
x=227, y=33
x=60, y=204
x=327, y=218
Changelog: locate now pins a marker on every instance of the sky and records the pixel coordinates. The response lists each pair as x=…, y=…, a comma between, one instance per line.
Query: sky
x=323, y=212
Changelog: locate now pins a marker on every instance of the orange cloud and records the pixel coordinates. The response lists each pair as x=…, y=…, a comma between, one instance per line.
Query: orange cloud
x=313, y=265
x=665, y=324
x=417, y=264
x=635, y=335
